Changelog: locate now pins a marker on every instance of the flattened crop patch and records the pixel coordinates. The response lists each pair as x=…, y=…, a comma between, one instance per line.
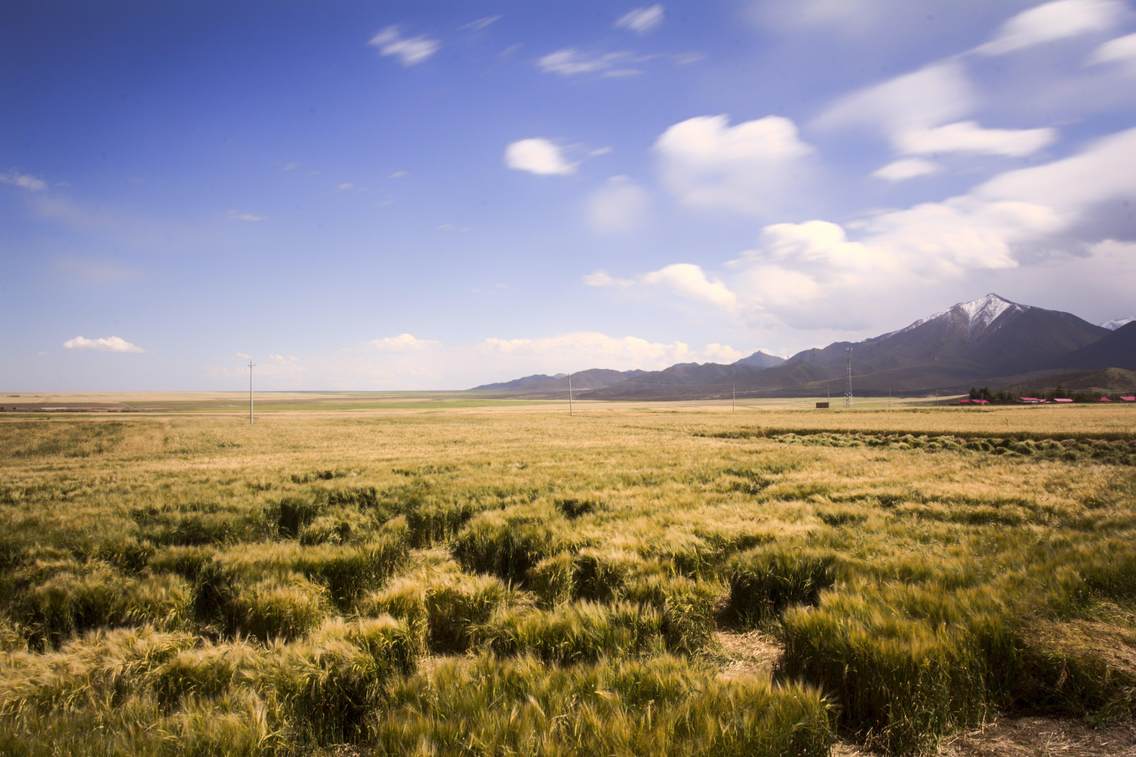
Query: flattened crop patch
x=1111, y=450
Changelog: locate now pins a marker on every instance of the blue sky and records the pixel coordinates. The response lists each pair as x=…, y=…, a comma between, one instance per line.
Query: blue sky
x=434, y=195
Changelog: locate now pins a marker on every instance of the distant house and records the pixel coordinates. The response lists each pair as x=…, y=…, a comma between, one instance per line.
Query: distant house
x=1063, y=400
x=980, y=402
x=1128, y=397
x=966, y=401
x=1031, y=400
x=1105, y=398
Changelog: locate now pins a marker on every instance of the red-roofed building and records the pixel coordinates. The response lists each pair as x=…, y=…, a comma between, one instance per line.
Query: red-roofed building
x=1105, y=398
x=1063, y=400
x=1128, y=397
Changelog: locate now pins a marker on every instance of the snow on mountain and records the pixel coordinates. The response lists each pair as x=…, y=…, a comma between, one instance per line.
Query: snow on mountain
x=978, y=314
x=984, y=311
x=1116, y=323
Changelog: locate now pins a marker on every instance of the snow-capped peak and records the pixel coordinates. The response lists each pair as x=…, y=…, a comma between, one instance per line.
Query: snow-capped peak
x=1116, y=323
x=978, y=313
x=984, y=311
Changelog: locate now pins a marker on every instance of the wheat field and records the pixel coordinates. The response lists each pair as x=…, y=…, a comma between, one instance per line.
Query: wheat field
x=441, y=577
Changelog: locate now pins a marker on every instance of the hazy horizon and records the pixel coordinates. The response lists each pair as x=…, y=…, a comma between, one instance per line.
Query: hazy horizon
x=429, y=196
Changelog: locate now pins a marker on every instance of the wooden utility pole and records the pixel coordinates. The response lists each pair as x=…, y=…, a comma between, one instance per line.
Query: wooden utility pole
x=251, y=416
x=569, y=394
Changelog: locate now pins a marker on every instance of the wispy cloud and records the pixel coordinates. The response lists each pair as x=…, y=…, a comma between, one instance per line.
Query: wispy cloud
x=23, y=181
x=569, y=61
x=619, y=206
x=91, y=271
x=410, y=51
x=103, y=344
x=404, y=342
x=641, y=20
x=908, y=168
x=686, y=280
x=479, y=24
x=1054, y=21
x=244, y=216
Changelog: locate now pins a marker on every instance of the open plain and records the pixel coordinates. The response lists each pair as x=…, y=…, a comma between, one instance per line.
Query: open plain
x=436, y=574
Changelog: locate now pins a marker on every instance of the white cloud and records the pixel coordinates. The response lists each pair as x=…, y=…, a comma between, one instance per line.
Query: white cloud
x=539, y=156
x=242, y=356
x=690, y=281
x=410, y=51
x=103, y=344
x=722, y=353
x=602, y=278
x=399, y=174
x=932, y=95
x=1053, y=21
x=1121, y=51
x=23, y=181
x=907, y=168
x=480, y=24
x=641, y=20
x=586, y=349
x=345, y=186
x=402, y=343
x=620, y=205
x=571, y=62
x=705, y=162
x=686, y=280
x=244, y=216
x=968, y=136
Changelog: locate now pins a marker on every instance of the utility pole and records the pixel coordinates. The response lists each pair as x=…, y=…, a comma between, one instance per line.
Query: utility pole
x=569, y=394
x=733, y=390
x=251, y=364
x=848, y=397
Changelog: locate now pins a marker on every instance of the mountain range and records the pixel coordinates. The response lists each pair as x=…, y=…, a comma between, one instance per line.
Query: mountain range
x=989, y=341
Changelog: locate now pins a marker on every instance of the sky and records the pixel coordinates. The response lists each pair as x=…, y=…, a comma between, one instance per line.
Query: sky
x=434, y=195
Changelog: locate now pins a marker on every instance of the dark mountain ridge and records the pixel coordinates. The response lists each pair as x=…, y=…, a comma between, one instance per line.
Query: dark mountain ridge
x=987, y=341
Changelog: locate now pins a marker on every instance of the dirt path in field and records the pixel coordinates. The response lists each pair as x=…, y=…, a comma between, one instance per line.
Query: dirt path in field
x=1042, y=737
x=747, y=653
x=754, y=653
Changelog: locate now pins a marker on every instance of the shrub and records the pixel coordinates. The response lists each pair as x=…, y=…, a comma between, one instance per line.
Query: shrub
x=95, y=596
x=278, y=608
x=578, y=632
x=322, y=688
x=573, y=508
x=506, y=544
x=292, y=514
x=204, y=672
x=340, y=526
x=440, y=607
x=660, y=705
x=600, y=575
x=235, y=723
x=901, y=682
x=687, y=607
x=766, y=580
x=187, y=562
x=435, y=521
x=553, y=579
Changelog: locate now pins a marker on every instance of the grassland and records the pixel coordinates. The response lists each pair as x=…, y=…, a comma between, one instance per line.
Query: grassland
x=417, y=575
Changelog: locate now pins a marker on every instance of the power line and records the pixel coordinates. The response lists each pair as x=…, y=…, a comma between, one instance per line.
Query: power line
x=251, y=416
x=848, y=397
